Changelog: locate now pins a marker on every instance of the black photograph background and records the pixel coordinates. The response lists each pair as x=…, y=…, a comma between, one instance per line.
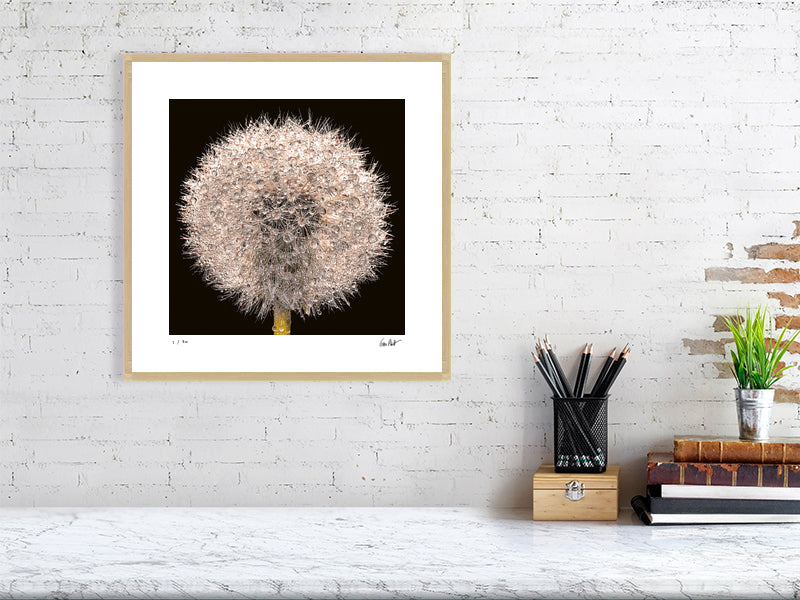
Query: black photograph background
x=378, y=126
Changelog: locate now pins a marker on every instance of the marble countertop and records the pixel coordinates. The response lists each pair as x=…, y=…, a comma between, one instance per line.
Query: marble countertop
x=383, y=553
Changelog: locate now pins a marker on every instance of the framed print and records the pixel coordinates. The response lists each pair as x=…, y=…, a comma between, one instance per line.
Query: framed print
x=287, y=216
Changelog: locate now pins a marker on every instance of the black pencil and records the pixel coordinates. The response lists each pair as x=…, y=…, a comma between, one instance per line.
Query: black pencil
x=583, y=370
x=545, y=374
x=548, y=367
x=614, y=373
x=579, y=374
x=539, y=354
x=547, y=360
x=602, y=375
x=605, y=384
x=559, y=370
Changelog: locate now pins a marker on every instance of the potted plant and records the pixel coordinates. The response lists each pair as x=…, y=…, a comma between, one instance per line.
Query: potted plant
x=755, y=367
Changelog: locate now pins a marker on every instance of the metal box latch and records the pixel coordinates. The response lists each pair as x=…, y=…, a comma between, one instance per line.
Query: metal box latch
x=573, y=490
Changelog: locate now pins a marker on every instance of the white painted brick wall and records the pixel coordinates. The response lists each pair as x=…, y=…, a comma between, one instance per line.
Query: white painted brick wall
x=604, y=155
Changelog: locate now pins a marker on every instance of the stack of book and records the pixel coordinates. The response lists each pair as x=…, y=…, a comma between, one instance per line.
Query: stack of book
x=722, y=480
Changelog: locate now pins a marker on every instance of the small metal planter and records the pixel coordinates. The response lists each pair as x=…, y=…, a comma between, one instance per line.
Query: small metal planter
x=754, y=409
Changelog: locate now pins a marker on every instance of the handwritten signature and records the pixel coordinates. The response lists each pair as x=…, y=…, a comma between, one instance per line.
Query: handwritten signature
x=389, y=342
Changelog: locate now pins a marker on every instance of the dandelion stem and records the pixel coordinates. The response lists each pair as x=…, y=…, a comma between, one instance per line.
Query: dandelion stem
x=283, y=322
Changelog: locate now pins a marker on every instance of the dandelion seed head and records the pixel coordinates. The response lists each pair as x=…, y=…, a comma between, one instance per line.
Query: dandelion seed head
x=287, y=214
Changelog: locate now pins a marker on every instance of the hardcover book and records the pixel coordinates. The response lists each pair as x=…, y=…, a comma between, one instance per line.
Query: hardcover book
x=737, y=492
x=721, y=506
x=689, y=448
x=663, y=469
x=640, y=505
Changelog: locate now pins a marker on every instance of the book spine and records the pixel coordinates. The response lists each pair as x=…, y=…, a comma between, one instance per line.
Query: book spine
x=639, y=504
x=717, y=451
x=730, y=474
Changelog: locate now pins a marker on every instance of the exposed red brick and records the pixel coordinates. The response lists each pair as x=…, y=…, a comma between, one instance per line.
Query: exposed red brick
x=719, y=322
x=787, y=321
x=705, y=346
x=786, y=300
x=775, y=252
x=794, y=347
x=781, y=321
x=796, y=233
x=784, y=395
x=723, y=370
x=752, y=275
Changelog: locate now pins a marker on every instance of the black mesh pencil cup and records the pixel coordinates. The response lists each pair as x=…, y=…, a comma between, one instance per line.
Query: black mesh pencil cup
x=581, y=434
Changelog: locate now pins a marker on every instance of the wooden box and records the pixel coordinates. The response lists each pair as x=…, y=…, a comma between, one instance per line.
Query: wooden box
x=575, y=496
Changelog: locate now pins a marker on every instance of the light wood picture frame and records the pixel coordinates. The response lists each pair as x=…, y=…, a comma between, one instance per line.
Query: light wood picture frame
x=306, y=194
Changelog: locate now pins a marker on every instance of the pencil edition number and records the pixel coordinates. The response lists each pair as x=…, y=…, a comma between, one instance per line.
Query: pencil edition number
x=179, y=342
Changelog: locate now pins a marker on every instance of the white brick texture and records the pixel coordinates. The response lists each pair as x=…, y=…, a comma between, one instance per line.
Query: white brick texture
x=605, y=155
